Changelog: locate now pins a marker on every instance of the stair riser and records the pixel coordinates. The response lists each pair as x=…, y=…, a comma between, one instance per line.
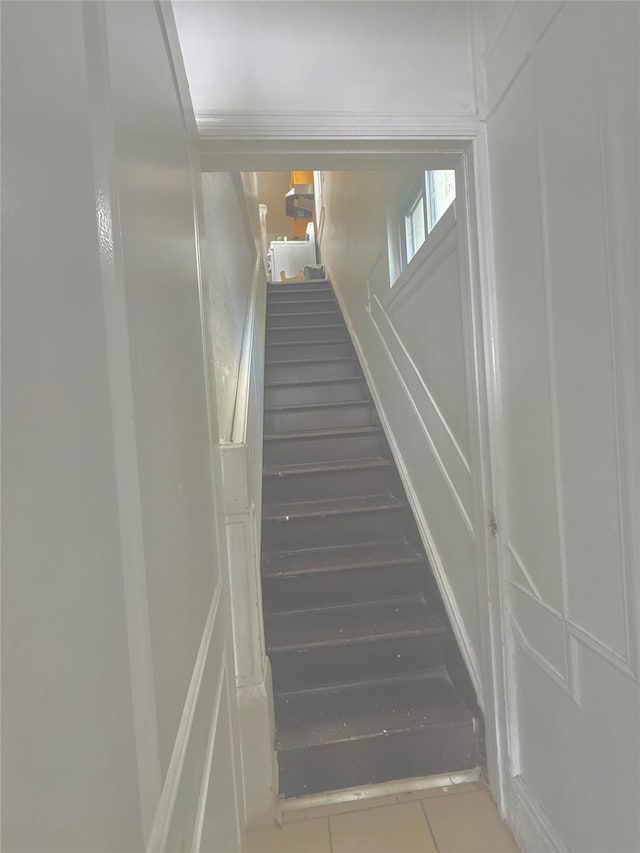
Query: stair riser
x=297, y=371
x=339, y=416
x=348, y=664
x=331, y=349
x=347, y=586
x=333, y=530
x=319, y=449
x=296, y=306
x=308, y=333
x=329, y=392
x=312, y=770
x=337, y=484
x=313, y=318
x=312, y=289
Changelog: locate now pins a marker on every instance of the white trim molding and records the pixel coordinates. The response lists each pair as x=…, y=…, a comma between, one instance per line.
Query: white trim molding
x=448, y=597
x=118, y=344
x=242, y=478
x=232, y=124
x=532, y=828
x=162, y=823
x=240, y=141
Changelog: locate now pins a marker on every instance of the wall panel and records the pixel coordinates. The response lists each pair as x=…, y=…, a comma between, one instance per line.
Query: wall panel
x=412, y=338
x=562, y=133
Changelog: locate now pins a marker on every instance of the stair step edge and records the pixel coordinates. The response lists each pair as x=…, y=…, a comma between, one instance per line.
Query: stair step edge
x=297, y=361
x=333, y=508
x=343, y=567
x=295, y=383
x=287, y=314
x=329, y=300
x=354, y=686
x=306, y=342
x=306, y=286
x=359, y=606
x=292, y=407
x=356, y=639
x=445, y=725
x=330, y=466
x=329, y=432
x=306, y=328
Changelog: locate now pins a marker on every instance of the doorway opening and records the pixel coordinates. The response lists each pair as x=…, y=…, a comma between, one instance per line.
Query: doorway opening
x=388, y=313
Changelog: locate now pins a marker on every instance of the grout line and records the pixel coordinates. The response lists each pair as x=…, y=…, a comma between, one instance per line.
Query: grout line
x=426, y=817
x=330, y=835
x=360, y=805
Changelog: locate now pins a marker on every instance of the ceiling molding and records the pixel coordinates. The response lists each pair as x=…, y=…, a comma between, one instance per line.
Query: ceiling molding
x=232, y=124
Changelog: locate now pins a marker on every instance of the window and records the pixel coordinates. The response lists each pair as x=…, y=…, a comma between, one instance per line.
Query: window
x=414, y=230
x=441, y=192
x=428, y=202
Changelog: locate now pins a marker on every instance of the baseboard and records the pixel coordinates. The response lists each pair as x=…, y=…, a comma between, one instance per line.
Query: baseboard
x=532, y=829
x=448, y=597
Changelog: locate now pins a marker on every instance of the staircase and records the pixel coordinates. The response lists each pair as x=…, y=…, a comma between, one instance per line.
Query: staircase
x=368, y=681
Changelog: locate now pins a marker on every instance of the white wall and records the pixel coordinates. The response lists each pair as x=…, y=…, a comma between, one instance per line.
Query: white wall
x=235, y=312
x=68, y=739
x=414, y=340
x=264, y=58
x=562, y=92
x=230, y=254
x=272, y=188
x=117, y=671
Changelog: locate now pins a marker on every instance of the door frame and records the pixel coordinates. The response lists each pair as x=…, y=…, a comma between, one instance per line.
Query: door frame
x=328, y=142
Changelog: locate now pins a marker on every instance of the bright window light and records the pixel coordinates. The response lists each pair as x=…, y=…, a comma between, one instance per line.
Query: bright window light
x=441, y=191
x=414, y=226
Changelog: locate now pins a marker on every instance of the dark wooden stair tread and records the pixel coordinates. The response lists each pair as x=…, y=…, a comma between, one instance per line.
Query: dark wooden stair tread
x=339, y=325
x=365, y=687
x=298, y=361
x=329, y=432
x=276, y=303
x=301, y=468
x=324, y=405
x=299, y=286
x=338, y=380
x=290, y=315
x=316, y=718
x=340, y=626
x=338, y=558
x=332, y=506
x=306, y=342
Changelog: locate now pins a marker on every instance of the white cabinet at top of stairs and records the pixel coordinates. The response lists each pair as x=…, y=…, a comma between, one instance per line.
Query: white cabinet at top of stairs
x=291, y=256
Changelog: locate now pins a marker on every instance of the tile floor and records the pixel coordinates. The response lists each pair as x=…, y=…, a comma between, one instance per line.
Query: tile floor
x=458, y=819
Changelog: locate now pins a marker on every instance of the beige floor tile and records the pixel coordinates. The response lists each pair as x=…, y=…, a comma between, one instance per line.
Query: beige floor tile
x=351, y=806
x=309, y=836
x=391, y=829
x=468, y=823
x=447, y=791
x=294, y=816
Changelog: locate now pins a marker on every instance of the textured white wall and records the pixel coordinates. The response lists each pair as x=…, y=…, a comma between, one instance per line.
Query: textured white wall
x=415, y=345
x=230, y=253
x=562, y=85
x=118, y=681
x=382, y=57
